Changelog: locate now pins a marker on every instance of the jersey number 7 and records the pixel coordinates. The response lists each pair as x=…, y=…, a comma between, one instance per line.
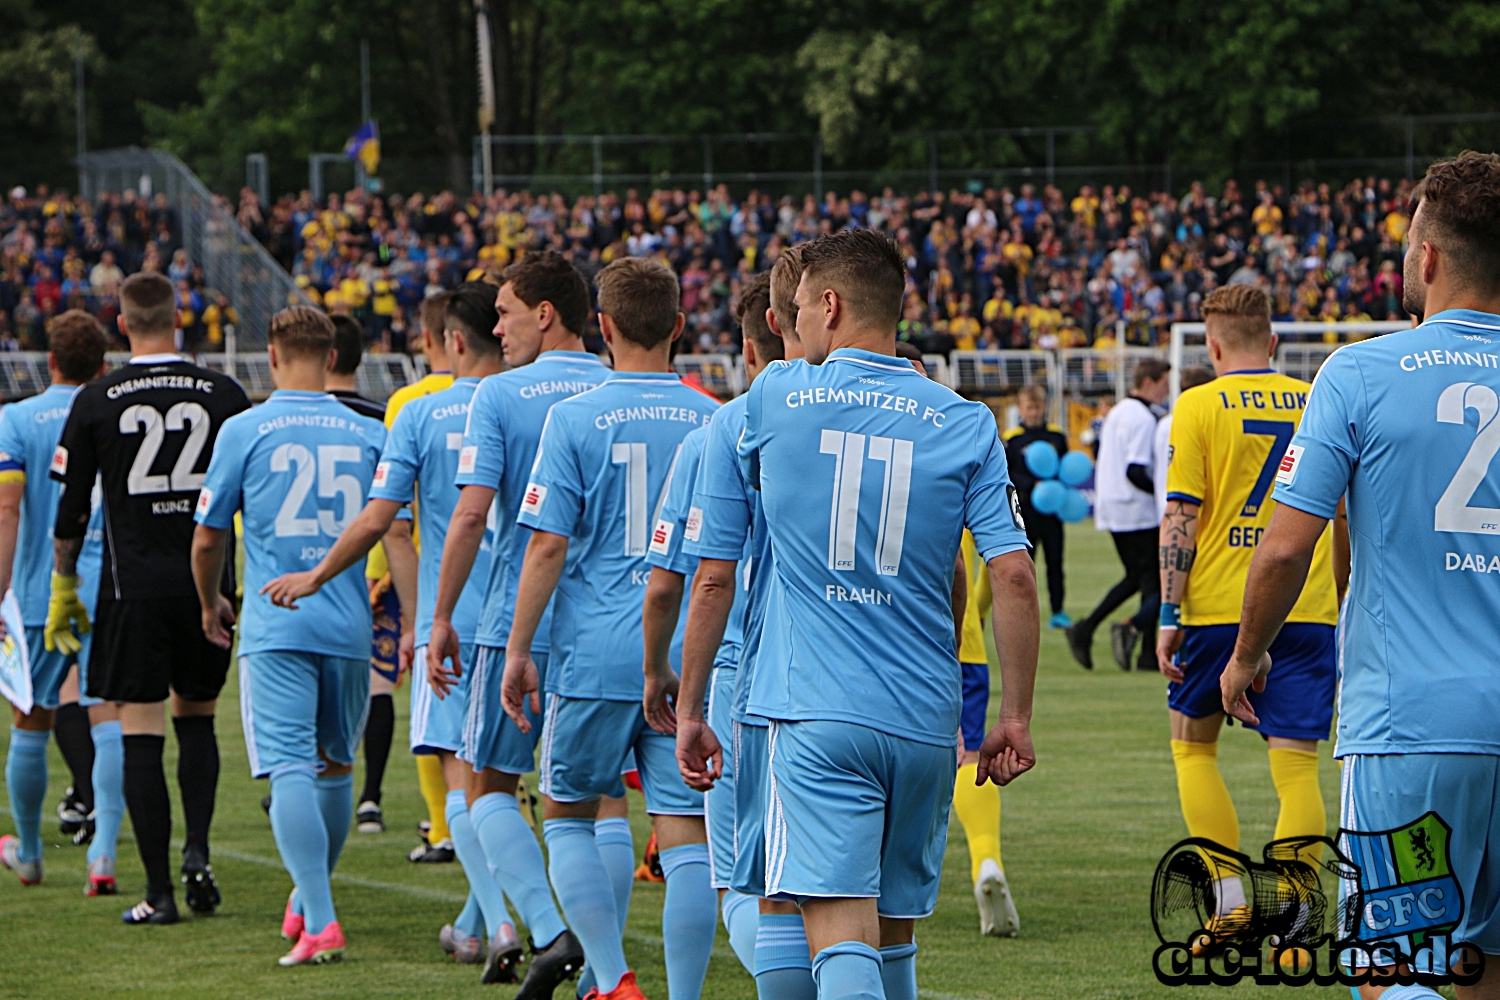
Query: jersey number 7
x=1281, y=431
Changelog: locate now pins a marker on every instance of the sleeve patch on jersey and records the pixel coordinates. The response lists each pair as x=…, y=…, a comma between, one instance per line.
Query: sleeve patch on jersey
x=1287, y=470
x=536, y=495
x=205, y=500
x=468, y=457
x=661, y=538
x=694, y=528
x=1015, y=508
x=382, y=473
x=60, y=461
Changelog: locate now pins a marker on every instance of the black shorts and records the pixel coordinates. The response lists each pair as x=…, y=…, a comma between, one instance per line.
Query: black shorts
x=144, y=649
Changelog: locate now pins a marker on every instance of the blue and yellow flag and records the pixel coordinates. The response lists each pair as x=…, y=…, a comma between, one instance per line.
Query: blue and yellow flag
x=364, y=146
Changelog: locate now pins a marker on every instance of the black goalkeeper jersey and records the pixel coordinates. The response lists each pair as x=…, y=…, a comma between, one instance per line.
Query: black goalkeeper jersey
x=148, y=430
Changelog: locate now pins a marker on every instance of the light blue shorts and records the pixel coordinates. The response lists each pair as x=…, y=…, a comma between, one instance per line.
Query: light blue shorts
x=1424, y=875
x=587, y=743
x=294, y=704
x=854, y=812
x=718, y=804
x=490, y=739
x=751, y=774
x=48, y=670
x=438, y=723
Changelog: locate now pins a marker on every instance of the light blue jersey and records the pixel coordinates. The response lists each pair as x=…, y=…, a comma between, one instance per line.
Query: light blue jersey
x=420, y=462
x=666, y=550
x=1405, y=426
x=869, y=472
x=299, y=468
x=728, y=525
x=599, y=480
x=29, y=432
x=506, y=416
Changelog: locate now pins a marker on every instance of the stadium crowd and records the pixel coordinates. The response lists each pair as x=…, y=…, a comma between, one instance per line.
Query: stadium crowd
x=996, y=268
x=59, y=252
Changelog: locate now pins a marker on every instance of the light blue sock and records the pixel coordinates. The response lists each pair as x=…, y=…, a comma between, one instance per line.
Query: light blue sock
x=849, y=970
x=687, y=918
x=741, y=919
x=482, y=884
x=302, y=838
x=109, y=789
x=898, y=971
x=470, y=919
x=617, y=851
x=579, y=879
x=514, y=858
x=783, y=968
x=1413, y=992
x=26, y=777
x=336, y=803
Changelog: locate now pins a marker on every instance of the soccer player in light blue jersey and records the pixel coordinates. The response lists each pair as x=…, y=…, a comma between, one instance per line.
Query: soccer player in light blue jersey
x=734, y=545
x=671, y=564
x=1404, y=427
x=868, y=473
x=542, y=304
x=419, y=464
x=596, y=485
x=29, y=432
x=298, y=468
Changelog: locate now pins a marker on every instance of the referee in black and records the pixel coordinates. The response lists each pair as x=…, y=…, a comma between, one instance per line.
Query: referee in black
x=147, y=431
x=1044, y=531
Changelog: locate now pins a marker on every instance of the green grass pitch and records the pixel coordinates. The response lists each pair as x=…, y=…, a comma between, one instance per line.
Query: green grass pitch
x=1082, y=834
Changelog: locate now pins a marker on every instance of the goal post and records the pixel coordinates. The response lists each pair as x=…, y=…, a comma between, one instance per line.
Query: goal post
x=1302, y=349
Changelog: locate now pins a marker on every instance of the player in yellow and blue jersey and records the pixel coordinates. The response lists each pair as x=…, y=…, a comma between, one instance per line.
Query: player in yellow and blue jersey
x=590, y=504
x=1228, y=439
x=299, y=468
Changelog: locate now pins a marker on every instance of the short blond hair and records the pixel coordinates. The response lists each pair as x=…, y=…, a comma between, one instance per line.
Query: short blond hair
x=1243, y=315
x=786, y=275
x=1033, y=393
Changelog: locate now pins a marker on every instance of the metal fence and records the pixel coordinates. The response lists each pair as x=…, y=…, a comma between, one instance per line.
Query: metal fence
x=233, y=261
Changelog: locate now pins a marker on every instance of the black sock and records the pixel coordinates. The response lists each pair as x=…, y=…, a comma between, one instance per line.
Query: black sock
x=76, y=742
x=380, y=729
x=197, y=774
x=150, y=810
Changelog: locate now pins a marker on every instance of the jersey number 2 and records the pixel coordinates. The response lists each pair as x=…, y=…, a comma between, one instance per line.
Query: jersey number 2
x=1453, y=512
x=848, y=450
x=182, y=479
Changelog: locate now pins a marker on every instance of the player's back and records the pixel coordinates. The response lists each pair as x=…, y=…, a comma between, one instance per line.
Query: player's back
x=423, y=451
x=148, y=429
x=868, y=473
x=299, y=467
x=1408, y=422
x=29, y=431
x=506, y=416
x=599, y=479
x=1228, y=438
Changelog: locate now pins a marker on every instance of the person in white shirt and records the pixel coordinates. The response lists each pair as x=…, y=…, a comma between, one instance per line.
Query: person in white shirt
x=1161, y=449
x=1125, y=506
x=106, y=275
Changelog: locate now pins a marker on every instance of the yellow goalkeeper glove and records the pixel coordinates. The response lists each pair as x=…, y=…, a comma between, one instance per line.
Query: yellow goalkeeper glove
x=65, y=613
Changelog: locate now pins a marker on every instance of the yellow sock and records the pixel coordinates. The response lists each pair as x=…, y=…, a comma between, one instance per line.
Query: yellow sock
x=1206, y=805
x=978, y=809
x=435, y=791
x=1295, y=774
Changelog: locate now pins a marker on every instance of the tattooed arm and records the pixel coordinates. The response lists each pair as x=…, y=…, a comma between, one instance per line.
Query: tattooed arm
x=1179, y=547
x=65, y=555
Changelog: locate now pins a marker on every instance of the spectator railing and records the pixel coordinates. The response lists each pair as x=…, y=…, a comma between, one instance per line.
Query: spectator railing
x=721, y=374
x=233, y=261
x=1294, y=356
x=998, y=372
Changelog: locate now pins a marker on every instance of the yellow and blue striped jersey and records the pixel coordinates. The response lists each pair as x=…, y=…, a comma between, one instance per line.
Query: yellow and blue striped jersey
x=1228, y=438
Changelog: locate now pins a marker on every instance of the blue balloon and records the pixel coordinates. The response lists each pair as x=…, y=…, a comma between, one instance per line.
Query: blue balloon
x=1075, y=468
x=1075, y=507
x=1048, y=495
x=1041, y=459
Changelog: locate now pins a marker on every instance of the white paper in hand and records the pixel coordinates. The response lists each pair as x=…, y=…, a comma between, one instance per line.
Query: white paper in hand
x=15, y=664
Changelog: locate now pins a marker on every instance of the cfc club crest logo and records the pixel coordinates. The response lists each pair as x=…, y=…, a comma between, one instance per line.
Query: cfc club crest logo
x=1398, y=905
